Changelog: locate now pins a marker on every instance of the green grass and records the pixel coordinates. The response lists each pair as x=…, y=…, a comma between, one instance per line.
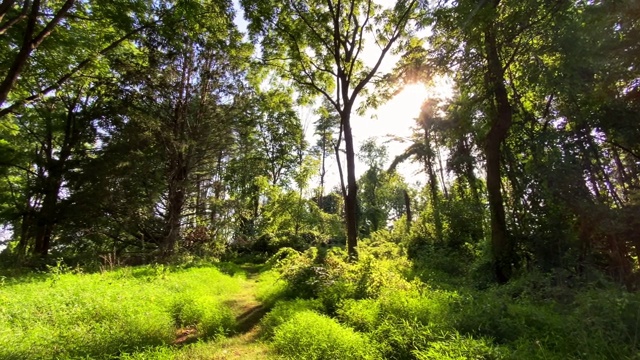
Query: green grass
x=379, y=311
x=270, y=287
x=312, y=336
x=284, y=311
x=102, y=315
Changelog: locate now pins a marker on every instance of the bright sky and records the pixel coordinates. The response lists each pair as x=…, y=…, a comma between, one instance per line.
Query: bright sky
x=394, y=119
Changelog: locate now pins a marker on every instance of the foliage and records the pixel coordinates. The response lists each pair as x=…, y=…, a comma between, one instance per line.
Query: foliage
x=284, y=311
x=322, y=338
x=537, y=316
x=457, y=347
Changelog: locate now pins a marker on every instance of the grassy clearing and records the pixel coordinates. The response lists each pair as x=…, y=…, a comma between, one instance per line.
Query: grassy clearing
x=63, y=315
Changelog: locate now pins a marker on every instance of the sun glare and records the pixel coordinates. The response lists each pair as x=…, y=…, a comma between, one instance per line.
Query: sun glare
x=393, y=121
x=397, y=116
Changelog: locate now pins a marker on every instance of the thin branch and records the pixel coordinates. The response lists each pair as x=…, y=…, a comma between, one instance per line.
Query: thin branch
x=335, y=15
x=360, y=42
x=311, y=27
x=3, y=10
x=52, y=24
x=397, y=31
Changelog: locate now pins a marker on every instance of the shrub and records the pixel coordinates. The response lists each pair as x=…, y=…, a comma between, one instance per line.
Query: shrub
x=428, y=307
x=283, y=311
x=455, y=347
x=309, y=335
x=363, y=315
x=402, y=321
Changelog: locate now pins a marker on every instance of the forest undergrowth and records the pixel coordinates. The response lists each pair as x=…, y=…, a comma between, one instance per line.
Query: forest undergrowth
x=315, y=304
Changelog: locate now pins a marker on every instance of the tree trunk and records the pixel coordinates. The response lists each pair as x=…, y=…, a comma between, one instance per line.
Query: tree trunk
x=323, y=169
x=433, y=187
x=46, y=219
x=435, y=199
x=47, y=216
x=501, y=119
x=175, y=204
x=351, y=200
x=407, y=205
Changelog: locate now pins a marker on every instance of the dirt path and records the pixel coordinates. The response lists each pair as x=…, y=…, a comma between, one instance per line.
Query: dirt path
x=244, y=344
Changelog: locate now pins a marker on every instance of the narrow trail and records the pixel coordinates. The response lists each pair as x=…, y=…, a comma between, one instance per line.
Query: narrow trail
x=244, y=342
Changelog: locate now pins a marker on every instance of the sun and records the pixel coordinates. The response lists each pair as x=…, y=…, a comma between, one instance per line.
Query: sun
x=397, y=116
x=392, y=123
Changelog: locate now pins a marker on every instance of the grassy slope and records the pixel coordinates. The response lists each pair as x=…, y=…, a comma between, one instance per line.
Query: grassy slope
x=63, y=315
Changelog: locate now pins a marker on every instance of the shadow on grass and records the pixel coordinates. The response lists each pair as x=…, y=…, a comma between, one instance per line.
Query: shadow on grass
x=246, y=321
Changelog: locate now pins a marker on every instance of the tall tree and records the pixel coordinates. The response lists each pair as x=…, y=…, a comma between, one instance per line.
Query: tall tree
x=185, y=98
x=55, y=41
x=320, y=47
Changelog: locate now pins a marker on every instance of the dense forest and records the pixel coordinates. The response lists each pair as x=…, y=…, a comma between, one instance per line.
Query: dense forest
x=162, y=143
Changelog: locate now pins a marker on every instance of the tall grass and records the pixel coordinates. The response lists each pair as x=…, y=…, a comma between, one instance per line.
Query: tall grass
x=312, y=336
x=64, y=315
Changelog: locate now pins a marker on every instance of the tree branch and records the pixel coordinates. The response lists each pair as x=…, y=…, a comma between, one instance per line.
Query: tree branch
x=396, y=35
x=4, y=8
x=72, y=72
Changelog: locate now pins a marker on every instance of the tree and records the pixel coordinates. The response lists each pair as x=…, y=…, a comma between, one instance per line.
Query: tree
x=533, y=84
x=186, y=98
x=319, y=46
x=325, y=128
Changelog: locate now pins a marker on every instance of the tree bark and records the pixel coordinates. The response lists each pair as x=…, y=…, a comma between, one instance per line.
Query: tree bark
x=175, y=204
x=501, y=120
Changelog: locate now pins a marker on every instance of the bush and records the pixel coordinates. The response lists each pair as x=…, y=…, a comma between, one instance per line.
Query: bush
x=363, y=315
x=283, y=311
x=309, y=335
x=402, y=321
x=455, y=347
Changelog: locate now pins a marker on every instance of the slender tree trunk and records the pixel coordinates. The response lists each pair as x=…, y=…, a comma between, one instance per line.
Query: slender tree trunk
x=351, y=200
x=25, y=236
x=323, y=169
x=433, y=187
x=501, y=119
x=441, y=168
x=407, y=206
x=435, y=200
